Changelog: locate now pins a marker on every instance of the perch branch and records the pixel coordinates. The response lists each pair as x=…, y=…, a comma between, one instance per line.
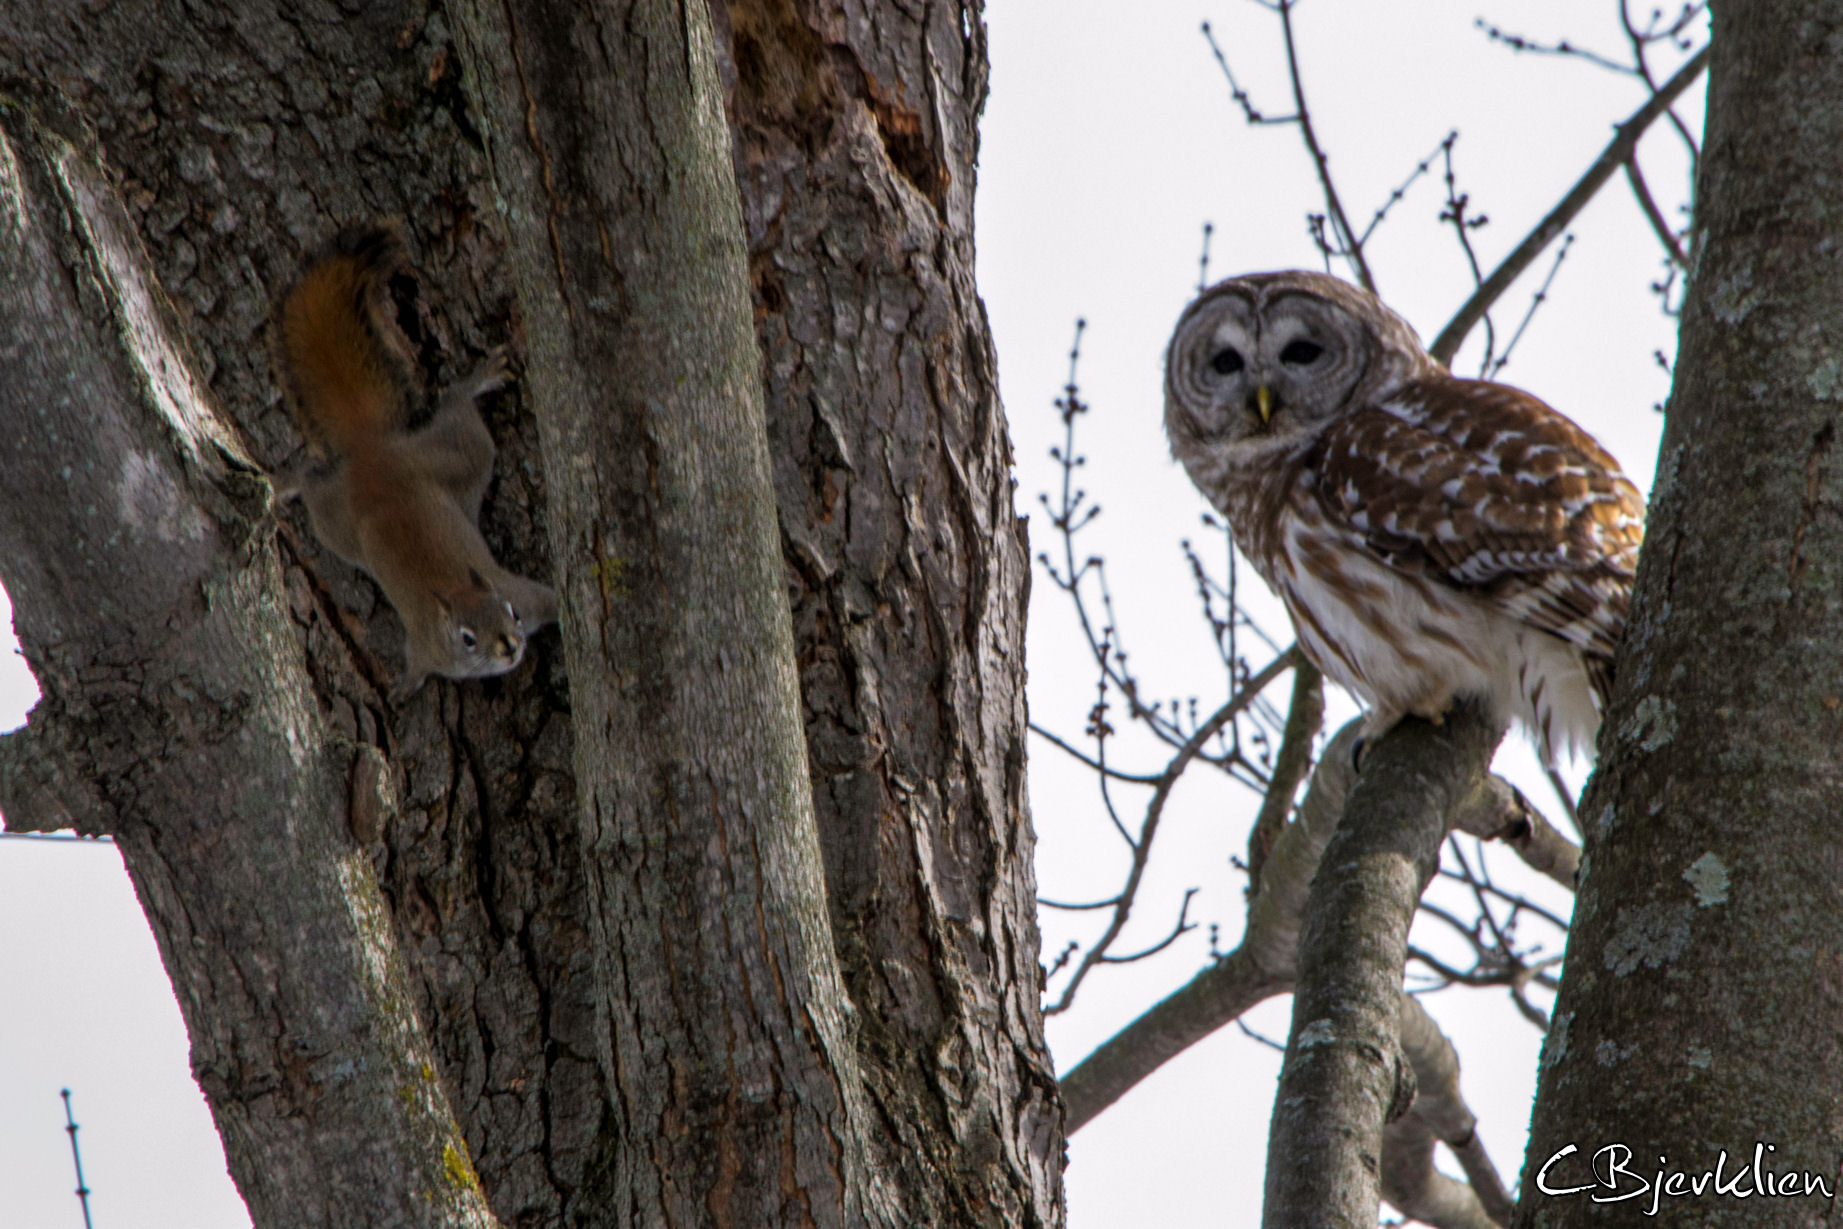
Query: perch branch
x=1343, y=1065
x=1439, y=1114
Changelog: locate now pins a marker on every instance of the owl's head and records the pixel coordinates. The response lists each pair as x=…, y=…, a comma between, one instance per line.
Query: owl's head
x=1260, y=364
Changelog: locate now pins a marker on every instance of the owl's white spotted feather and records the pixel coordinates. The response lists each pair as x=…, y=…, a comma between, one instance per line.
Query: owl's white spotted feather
x=1498, y=493
x=1431, y=537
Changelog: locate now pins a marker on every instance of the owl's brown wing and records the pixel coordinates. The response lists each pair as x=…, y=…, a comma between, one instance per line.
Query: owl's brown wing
x=1496, y=493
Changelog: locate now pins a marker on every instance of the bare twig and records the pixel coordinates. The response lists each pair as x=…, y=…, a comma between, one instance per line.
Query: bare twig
x=1142, y=846
x=1343, y=242
x=1131, y=778
x=1321, y=162
x=1661, y=228
x=1563, y=794
x=1610, y=160
x=1457, y=212
x=1395, y=197
x=1184, y=925
x=1258, y=1037
x=1516, y=901
x=1536, y=300
x=1471, y=932
x=83, y=1191
x=1248, y=109
x=1073, y=512
x=1516, y=42
x=1305, y=716
x=1642, y=42
x=1047, y=903
x=1259, y=968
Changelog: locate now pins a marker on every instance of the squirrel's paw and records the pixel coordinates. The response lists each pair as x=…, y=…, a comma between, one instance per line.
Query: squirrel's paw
x=494, y=372
x=288, y=482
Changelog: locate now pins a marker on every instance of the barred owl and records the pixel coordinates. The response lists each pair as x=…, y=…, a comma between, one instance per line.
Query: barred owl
x=1431, y=537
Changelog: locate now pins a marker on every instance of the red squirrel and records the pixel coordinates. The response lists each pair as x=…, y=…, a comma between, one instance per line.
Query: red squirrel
x=402, y=504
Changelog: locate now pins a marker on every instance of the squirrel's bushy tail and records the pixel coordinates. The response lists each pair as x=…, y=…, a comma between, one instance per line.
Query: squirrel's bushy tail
x=345, y=363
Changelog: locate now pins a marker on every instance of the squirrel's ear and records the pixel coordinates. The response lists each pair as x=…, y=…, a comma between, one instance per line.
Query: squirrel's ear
x=479, y=581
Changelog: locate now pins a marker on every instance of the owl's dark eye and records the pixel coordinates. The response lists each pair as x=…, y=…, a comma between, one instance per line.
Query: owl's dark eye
x=1300, y=353
x=1226, y=363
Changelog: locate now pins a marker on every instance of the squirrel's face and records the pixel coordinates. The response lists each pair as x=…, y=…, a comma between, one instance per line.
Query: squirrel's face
x=484, y=635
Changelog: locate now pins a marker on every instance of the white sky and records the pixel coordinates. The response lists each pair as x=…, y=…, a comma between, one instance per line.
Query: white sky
x=1108, y=140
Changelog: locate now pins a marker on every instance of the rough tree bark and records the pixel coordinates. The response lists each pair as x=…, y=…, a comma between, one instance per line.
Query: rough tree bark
x=610, y=154
x=237, y=138
x=179, y=716
x=1704, y=974
x=856, y=143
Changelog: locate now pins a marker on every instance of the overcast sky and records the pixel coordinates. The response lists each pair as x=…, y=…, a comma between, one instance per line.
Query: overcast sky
x=1109, y=139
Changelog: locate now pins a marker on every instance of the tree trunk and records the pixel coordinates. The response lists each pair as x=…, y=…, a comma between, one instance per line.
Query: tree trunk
x=736, y=1094
x=1704, y=974
x=856, y=143
x=237, y=139
x=179, y=716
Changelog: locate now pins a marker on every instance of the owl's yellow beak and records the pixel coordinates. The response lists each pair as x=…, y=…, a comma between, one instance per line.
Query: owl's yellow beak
x=1263, y=400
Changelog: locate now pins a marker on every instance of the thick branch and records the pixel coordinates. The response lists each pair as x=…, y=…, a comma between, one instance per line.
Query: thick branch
x=1439, y=1113
x=1343, y=1069
x=1498, y=811
x=1256, y=970
x=1447, y=344
x=35, y=796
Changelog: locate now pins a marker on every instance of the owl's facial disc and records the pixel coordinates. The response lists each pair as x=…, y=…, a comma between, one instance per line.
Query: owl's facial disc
x=1309, y=358
x=1273, y=374
x=1256, y=370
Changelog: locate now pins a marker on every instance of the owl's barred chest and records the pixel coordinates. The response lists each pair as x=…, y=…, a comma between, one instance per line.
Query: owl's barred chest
x=1267, y=506
x=1399, y=641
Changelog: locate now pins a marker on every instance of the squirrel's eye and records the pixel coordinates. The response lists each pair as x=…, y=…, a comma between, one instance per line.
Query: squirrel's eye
x=1226, y=362
x=468, y=639
x=511, y=613
x=1300, y=353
